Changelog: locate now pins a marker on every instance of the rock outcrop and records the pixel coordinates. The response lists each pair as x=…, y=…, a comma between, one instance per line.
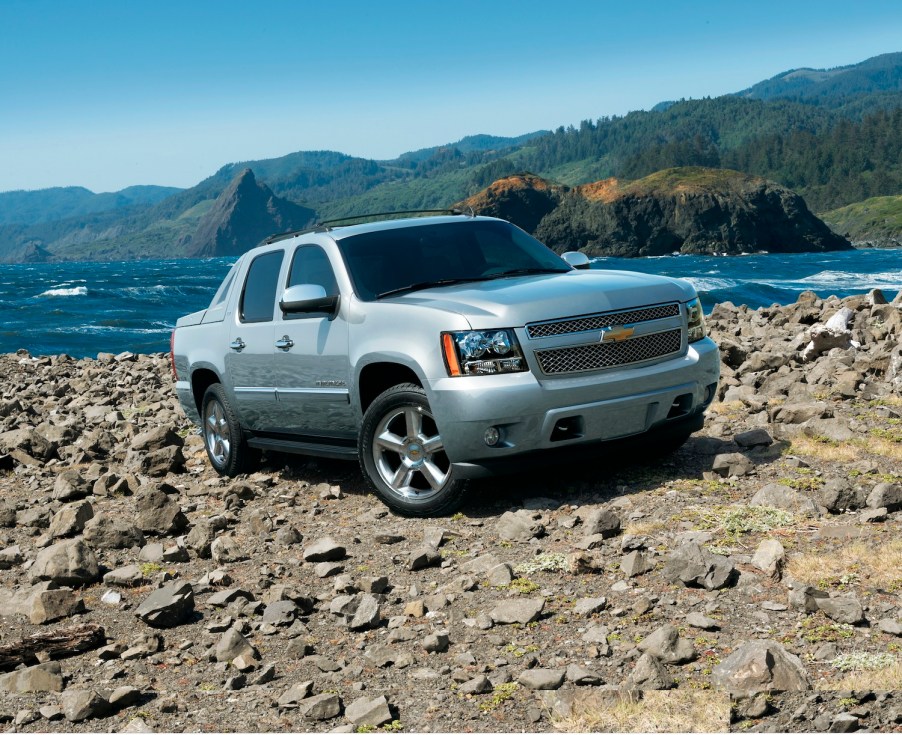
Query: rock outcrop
x=686, y=210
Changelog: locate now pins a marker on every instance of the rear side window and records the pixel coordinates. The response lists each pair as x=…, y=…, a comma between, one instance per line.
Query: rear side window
x=259, y=296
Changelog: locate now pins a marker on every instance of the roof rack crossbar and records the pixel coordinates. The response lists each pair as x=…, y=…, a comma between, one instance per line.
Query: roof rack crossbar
x=326, y=225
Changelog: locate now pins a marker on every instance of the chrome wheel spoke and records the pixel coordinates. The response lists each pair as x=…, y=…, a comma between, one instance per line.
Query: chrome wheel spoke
x=402, y=477
x=433, y=444
x=433, y=474
x=390, y=441
x=414, y=421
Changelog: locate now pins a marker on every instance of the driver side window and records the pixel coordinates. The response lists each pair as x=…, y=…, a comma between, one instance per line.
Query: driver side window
x=311, y=265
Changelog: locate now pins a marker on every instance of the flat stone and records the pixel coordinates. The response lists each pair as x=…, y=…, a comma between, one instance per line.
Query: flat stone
x=325, y=549
x=169, y=606
x=542, y=678
x=292, y=697
x=45, y=606
x=423, y=558
x=697, y=620
x=520, y=526
x=753, y=438
x=581, y=676
x=842, y=609
x=775, y=495
x=517, y=611
x=478, y=685
x=368, y=712
x=46, y=677
x=589, y=605
x=320, y=706
x=890, y=626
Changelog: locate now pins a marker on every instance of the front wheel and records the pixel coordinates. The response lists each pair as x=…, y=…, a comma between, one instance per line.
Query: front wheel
x=403, y=456
x=223, y=437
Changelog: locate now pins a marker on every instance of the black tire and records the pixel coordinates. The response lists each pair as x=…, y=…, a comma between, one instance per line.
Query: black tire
x=224, y=438
x=402, y=456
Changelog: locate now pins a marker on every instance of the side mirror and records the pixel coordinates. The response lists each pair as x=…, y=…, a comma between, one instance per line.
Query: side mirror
x=307, y=298
x=578, y=260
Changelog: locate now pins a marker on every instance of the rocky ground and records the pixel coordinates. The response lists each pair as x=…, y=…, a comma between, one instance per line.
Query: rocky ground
x=750, y=581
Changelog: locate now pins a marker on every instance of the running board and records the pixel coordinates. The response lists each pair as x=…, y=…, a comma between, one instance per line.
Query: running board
x=330, y=451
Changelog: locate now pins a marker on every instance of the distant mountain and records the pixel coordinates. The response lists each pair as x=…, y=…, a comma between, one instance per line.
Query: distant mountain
x=832, y=87
x=244, y=214
x=686, y=210
x=46, y=205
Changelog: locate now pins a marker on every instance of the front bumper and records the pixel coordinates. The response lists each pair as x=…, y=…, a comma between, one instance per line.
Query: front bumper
x=536, y=416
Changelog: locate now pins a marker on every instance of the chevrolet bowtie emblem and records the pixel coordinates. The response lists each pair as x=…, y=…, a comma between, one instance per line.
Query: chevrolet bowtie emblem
x=616, y=334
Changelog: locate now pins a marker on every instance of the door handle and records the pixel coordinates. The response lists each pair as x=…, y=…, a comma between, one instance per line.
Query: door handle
x=285, y=343
x=238, y=344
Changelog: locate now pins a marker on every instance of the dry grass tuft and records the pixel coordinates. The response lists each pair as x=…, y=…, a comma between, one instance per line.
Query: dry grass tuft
x=806, y=446
x=879, y=566
x=726, y=409
x=875, y=680
x=883, y=447
x=678, y=710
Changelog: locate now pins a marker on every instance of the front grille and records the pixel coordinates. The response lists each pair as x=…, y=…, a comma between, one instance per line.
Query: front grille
x=600, y=321
x=609, y=354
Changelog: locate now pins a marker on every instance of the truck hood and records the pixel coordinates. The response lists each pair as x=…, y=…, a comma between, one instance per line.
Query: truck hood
x=514, y=302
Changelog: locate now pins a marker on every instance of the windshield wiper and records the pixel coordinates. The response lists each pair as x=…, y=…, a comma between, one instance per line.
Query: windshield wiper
x=528, y=272
x=430, y=284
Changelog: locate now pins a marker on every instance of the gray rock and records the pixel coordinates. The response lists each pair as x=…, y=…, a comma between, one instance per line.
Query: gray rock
x=368, y=712
x=886, y=495
x=636, y=563
x=70, y=485
x=649, y=674
x=320, y=706
x=479, y=685
x=155, y=439
x=836, y=430
x=171, y=605
x=324, y=549
x=225, y=549
x=542, y=678
x=696, y=567
x=201, y=536
x=775, y=495
x=581, y=676
x=842, y=609
x=665, y=644
x=423, y=558
x=589, y=605
x=158, y=514
x=46, y=677
x=231, y=645
x=769, y=557
x=107, y=532
x=874, y=515
x=520, y=526
x=890, y=626
x=125, y=696
x=70, y=519
x=602, y=522
x=127, y=576
x=291, y=698
x=226, y=597
x=734, y=463
x=367, y=613
x=761, y=666
x=697, y=620
x=754, y=438
x=281, y=613
x=47, y=605
x=500, y=575
x=83, y=704
x=517, y=611
x=838, y=496
x=67, y=562
x=11, y=557
x=436, y=643
x=844, y=722
x=806, y=597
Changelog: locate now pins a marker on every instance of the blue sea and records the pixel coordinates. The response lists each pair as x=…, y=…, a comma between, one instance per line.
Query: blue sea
x=84, y=308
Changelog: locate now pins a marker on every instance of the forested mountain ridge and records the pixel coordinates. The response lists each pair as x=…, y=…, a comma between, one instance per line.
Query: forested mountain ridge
x=832, y=136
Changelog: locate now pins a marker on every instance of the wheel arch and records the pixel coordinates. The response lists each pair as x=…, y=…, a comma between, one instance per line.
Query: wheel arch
x=378, y=377
x=201, y=379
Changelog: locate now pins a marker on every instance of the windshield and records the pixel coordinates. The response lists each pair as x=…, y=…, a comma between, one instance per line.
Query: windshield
x=407, y=258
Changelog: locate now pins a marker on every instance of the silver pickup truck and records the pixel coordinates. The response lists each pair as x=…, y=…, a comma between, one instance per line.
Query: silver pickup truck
x=435, y=350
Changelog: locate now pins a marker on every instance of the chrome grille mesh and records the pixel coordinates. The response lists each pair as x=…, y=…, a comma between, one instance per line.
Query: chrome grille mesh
x=599, y=321
x=609, y=354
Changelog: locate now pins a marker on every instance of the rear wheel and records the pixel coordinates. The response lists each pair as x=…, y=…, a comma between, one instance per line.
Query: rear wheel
x=403, y=456
x=224, y=438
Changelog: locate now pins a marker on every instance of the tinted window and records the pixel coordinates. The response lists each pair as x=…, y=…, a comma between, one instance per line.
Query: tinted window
x=259, y=296
x=224, y=288
x=389, y=259
x=311, y=265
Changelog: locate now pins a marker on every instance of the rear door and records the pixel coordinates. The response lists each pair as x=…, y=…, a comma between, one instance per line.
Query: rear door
x=249, y=360
x=312, y=372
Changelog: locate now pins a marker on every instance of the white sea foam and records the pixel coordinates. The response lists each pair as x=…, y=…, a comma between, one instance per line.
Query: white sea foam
x=852, y=281
x=711, y=284
x=76, y=291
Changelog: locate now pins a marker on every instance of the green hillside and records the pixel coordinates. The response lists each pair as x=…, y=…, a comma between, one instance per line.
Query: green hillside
x=876, y=220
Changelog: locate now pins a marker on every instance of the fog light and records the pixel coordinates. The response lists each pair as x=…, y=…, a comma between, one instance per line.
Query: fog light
x=492, y=436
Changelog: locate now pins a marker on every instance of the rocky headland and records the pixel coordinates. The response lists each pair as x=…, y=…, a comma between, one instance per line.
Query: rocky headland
x=750, y=581
x=689, y=210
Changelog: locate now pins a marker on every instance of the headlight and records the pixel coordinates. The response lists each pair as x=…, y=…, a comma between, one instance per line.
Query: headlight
x=482, y=352
x=696, y=320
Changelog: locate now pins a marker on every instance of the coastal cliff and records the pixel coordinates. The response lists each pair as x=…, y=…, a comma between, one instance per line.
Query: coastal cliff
x=686, y=210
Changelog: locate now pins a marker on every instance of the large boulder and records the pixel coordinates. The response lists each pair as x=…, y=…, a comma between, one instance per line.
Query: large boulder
x=761, y=666
x=67, y=562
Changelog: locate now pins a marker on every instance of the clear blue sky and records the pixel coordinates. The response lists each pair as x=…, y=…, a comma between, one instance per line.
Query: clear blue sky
x=106, y=94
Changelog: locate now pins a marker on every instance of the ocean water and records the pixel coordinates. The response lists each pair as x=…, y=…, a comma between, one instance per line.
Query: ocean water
x=84, y=308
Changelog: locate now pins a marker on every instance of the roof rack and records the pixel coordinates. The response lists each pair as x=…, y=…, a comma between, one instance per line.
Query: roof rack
x=326, y=225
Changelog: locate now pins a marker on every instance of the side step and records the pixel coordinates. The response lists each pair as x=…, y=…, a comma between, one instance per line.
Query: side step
x=330, y=451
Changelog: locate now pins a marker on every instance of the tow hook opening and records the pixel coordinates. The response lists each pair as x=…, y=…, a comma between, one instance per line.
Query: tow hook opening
x=681, y=406
x=568, y=428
